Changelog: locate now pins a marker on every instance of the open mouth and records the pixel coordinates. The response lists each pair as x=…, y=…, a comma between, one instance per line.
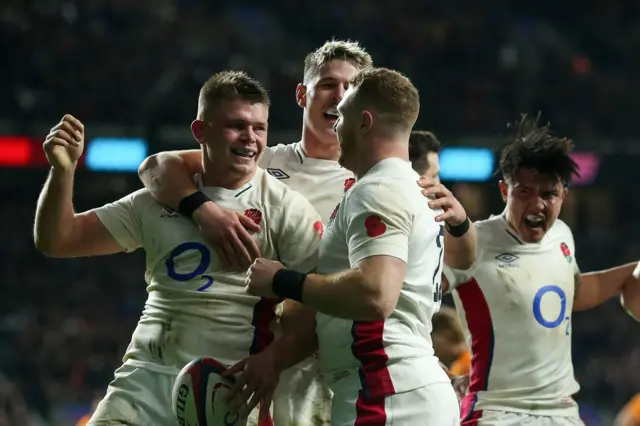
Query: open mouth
x=332, y=114
x=534, y=221
x=244, y=153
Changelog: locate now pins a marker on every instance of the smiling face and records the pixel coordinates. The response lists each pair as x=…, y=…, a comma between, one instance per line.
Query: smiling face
x=320, y=98
x=234, y=136
x=533, y=202
x=348, y=130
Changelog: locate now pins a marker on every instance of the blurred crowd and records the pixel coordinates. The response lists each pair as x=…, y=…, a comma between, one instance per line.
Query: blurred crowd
x=64, y=324
x=476, y=63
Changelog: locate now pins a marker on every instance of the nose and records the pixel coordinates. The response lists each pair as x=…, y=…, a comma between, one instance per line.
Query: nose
x=249, y=135
x=539, y=204
x=339, y=92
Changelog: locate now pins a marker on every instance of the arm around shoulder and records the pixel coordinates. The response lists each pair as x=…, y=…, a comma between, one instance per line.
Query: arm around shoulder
x=169, y=175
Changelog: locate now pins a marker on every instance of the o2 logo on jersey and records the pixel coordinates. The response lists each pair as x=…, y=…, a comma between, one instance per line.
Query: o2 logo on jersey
x=537, y=307
x=198, y=272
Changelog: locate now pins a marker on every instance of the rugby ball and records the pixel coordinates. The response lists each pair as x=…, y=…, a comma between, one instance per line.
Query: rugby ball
x=199, y=396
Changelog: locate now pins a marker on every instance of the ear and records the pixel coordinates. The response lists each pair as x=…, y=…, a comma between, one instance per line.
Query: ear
x=504, y=190
x=367, y=121
x=301, y=95
x=197, y=129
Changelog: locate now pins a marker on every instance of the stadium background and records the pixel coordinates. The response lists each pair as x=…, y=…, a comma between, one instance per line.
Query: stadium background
x=131, y=71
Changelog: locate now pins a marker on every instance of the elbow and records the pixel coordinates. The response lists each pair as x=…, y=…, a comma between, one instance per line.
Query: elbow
x=48, y=247
x=147, y=165
x=379, y=307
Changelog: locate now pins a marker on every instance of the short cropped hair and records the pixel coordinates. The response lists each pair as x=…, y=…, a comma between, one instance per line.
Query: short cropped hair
x=231, y=86
x=531, y=145
x=389, y=93
x=341, y=50
x=447, y=319
x=421, y=144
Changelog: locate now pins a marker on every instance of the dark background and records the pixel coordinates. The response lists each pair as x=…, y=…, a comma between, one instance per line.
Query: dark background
x=130, y=68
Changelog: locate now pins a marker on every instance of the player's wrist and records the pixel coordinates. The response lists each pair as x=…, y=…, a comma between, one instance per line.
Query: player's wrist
x=60, y=172
x=288, y=284
x=192, y=203
x=458, y=230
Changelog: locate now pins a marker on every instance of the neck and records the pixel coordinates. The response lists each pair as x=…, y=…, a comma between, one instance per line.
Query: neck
x=216, y=176
x=378, y=149
x=314, y=147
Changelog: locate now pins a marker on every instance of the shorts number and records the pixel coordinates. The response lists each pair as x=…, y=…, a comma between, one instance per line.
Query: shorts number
x=537, y=311
x=437, y=276
x=198, y=272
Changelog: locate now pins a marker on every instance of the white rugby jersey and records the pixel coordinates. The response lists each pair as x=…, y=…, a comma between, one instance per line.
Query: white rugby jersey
x=384, y=213
x=194, y=308
x=515, y=306
x=322, y=182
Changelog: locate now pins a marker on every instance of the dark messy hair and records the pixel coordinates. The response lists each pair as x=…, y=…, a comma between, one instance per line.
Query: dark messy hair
x=422, y=143
x=531, y=145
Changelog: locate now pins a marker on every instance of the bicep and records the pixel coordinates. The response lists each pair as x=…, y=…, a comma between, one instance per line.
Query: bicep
x=384, y=274
x=90, y=238
x=192, y=159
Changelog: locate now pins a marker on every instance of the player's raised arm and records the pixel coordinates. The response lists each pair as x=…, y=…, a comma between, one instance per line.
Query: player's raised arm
x=595, y=288
x=58, y=230
x=461, y=240
x=169, y=175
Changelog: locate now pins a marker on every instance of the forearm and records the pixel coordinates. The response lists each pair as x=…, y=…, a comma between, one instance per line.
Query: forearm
x=461, y=252
x=55, y=217
x=299, y=340
x=595, y=288
x=167, y=178
x=345, y=295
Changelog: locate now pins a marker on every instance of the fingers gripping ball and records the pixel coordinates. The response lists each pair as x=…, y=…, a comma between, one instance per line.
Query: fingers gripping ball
x=199, y=396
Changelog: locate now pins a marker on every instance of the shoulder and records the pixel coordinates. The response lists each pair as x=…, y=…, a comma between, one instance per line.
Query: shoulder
x=277, y=194
x=488, y=229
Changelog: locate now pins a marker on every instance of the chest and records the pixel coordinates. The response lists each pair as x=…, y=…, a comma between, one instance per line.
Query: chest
x=323, y=188
x=535, y=287
x=176, y=245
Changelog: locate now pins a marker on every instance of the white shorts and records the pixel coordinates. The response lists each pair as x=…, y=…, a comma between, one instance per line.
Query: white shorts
x=302, y=398
x=504, y=418
x=435, y=404
x=141, y=397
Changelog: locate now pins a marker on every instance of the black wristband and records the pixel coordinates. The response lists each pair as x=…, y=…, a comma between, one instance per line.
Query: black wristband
x=190, y=203
x=288, y=284
x=458, y=230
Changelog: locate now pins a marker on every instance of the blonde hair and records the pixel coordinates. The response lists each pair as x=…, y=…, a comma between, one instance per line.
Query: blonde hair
x=389, y=93
x=231, y=86
x=341, y=50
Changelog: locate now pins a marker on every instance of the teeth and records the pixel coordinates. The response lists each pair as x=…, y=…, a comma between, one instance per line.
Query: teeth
x=333, y=112
x=535, y=219
x=243, y=152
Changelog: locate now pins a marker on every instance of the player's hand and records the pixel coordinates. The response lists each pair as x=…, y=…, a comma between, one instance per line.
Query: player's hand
x=256, y=380
x=64, y=143
x=260, y=277
x=228, y=233
x=454, y=214
x=461, y=385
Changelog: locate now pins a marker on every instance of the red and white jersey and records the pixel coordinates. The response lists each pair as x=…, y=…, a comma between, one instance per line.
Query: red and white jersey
x=384, y=213
x=515, y=305
x=322, y=182
x=195, y=308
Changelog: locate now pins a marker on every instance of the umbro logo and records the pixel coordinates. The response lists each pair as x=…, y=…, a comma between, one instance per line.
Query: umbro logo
x=507, y=257
x=168, y=213
x=278, y=174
